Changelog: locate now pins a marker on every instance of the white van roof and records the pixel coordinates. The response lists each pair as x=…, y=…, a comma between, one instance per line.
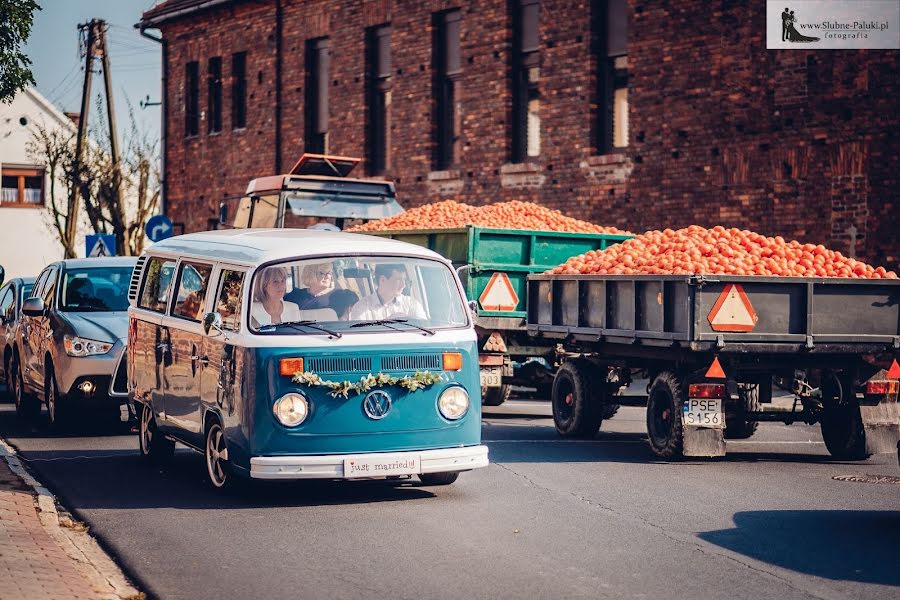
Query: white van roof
x=255, y=246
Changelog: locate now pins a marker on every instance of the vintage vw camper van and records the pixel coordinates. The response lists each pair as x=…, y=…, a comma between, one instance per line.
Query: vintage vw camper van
x=292, y=354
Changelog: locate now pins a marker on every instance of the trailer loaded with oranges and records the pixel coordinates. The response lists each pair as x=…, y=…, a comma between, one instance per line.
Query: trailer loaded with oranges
x=711, y=317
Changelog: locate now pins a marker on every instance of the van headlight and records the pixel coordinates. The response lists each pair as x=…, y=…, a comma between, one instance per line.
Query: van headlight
x=291, y=409
x=453, y=403
x=78, y=346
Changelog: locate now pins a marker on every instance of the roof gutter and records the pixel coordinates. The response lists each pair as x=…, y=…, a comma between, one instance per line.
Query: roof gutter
x=153, y=22
x=164, y=116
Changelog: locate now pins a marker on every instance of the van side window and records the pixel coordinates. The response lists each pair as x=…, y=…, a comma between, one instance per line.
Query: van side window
x=157, y=281
x=228, y=302
x=191, y=291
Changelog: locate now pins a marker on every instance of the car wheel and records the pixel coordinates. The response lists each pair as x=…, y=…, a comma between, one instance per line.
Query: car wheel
x=27, y=406
x=55, y=417
x=153, y=445
x=216, y=453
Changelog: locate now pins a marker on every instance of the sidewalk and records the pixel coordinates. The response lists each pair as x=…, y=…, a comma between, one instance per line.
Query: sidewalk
x=39, y=557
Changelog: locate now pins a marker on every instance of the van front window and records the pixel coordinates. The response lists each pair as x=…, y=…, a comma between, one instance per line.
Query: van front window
x=356, y=294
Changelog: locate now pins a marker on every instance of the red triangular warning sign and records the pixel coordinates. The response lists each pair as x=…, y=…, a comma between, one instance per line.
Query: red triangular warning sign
x=499, y=294
x=715, y=370
x=894, y=371
x=732, y=311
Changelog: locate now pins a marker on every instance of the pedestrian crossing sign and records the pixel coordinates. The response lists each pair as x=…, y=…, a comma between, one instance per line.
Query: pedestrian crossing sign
x=99, y=245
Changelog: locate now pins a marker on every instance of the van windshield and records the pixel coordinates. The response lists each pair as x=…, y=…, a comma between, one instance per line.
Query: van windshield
x=356, y=294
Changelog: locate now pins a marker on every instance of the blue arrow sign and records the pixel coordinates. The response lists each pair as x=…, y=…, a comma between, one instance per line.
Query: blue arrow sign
x=100, y=244
x=159, y=227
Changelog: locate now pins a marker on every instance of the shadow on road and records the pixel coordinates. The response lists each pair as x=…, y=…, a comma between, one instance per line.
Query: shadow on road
x=844, y=545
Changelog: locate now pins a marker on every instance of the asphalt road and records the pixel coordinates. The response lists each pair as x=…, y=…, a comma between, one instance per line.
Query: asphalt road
x=548, y=519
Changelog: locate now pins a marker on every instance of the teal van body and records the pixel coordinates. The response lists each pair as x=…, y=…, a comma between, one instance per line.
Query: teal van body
x=205, y=371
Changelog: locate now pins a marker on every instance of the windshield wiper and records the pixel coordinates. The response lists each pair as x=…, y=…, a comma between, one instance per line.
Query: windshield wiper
x=298, y=324
x=390, y=321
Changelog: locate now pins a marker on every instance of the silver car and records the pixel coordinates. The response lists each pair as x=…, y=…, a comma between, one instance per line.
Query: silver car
x=73, y=333
x=12, y=294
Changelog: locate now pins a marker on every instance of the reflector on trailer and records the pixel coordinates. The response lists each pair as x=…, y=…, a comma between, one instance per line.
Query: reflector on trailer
x=715, y=370
x=894, y=371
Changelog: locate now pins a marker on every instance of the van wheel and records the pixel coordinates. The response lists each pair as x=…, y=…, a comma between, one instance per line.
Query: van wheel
x=27, y=406
x=153, y=445
x=216, y=453
x=438, y=478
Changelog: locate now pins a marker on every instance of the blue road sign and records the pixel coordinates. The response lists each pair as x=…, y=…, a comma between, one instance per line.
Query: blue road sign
x=100, y=244
x=159, y=227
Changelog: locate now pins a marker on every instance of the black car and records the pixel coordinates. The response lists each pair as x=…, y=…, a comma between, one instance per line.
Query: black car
x=12, y=294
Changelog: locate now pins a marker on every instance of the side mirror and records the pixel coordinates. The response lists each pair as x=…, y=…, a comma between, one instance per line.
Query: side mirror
x=33, y=307
x=473, y=307
x=212, y=324
x=2, y=274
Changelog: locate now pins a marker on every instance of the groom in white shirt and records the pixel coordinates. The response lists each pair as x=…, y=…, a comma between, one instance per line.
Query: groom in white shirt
x=388, y=301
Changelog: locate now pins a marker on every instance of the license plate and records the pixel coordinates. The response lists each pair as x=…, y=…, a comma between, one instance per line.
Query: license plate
x=704, y=412
x=382, y=466
x=491, y=376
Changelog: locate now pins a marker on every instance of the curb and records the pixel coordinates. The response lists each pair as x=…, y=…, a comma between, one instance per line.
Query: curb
x=91, y=560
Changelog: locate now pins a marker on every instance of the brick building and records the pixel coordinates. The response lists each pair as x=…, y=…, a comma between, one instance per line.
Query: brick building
x=636, y=113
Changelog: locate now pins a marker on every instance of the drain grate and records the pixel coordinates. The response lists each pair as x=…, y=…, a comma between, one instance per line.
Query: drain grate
x=889, y=479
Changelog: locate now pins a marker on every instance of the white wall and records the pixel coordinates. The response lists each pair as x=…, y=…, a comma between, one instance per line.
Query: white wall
x=27, y=240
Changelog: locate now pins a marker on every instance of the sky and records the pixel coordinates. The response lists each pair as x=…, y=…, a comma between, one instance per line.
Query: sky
x=58, y=64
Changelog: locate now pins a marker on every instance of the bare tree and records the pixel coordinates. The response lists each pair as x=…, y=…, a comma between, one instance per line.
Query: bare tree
x=98, y=183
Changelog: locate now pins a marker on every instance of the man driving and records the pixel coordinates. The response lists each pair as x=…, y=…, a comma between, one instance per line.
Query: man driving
x=388, y=301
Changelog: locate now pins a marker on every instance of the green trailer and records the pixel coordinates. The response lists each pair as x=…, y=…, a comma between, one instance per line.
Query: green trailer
x=494, y=265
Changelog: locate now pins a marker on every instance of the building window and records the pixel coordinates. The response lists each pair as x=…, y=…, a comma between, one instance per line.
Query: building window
x=526, y=75
x=239, y=90
x=610, y=24
x=22, y=187
x=214, y=95
x=448, y=73
x=317, y=77
x=192, y=98
x=378, y=92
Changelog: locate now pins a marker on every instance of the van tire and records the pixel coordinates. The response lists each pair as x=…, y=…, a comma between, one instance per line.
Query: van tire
x=153, y=446
x=438, y=478
x=218, y=471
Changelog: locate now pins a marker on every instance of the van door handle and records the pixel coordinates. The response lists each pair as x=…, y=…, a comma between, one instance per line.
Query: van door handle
x=203, y=359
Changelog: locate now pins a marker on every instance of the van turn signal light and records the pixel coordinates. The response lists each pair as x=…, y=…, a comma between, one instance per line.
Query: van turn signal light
x=288, y=367
x=452, y=361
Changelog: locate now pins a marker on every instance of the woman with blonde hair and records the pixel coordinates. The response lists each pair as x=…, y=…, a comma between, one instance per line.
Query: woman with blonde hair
x=319, y=281
x=269, y=306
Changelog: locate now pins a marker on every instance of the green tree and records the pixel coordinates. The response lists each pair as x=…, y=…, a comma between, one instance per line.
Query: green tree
x=16, y=18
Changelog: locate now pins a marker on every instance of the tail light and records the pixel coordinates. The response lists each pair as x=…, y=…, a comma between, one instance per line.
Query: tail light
x=882, y=387
x=706, y=390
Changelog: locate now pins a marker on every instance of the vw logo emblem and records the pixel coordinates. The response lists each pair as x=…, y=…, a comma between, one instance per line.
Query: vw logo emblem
x=377, y=405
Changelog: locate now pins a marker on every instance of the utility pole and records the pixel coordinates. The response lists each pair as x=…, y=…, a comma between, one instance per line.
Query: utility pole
x=118, y=215
x=74, y=196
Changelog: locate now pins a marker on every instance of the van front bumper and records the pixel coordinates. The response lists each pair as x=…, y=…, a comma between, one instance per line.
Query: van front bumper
x=332, y=466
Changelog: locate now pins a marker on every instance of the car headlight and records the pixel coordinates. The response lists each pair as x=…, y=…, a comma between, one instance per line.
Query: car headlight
x=291, y=409
x=453, y=403
x=78, y=346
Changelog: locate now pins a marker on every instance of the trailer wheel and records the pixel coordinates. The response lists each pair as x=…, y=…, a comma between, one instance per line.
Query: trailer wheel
x=495, y=396
x=576, y=413
x=842, y=426
x=737, y=427
x=664, y=426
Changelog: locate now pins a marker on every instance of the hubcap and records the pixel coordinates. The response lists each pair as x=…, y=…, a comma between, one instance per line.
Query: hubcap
x=216, y=455
x=146, y=431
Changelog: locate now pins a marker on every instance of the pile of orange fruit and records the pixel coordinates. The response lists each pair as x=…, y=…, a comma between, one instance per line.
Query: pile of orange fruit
x=450, y=214
x=718, y=251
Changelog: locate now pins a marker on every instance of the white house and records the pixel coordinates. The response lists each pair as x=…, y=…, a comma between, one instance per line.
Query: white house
x=27, y=239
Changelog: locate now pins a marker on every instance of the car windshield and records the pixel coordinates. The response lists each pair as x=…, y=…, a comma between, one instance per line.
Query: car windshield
x=356, y=294
x=96, y=289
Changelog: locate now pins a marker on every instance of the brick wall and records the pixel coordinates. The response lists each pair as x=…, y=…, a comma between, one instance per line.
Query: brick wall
x=796, y=143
